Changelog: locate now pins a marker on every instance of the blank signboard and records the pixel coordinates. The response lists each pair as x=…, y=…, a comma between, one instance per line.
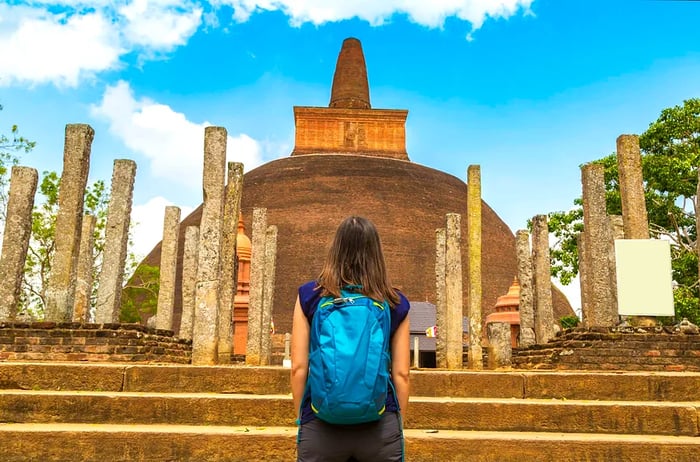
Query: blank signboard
x=644, y=286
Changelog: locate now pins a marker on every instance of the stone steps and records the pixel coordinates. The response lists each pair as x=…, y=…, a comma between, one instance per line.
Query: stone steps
x=622, y=386
x=140, y=412
x=491, y=414
x=147, y=443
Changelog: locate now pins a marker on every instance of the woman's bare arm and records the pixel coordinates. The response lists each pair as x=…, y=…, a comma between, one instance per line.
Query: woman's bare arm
x=401, y=363
x=300, y=354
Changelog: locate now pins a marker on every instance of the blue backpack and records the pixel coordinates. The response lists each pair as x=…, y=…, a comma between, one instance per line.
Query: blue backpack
x=349, y=358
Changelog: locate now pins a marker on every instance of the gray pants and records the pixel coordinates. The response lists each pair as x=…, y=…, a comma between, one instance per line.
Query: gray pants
x=380, y=441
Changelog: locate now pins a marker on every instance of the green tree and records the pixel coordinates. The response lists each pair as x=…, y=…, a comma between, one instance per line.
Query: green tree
x=42, y=242
x=140, y=294
x=670, y=158
x=11, y=147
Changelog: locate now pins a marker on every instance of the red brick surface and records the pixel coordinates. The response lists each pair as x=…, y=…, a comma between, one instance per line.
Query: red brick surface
x=48, y=341
x=307, y=197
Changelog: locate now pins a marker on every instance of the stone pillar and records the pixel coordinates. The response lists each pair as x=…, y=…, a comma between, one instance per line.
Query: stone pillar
x=205, y=333
x=416, y=352
x=453, y=292
x=629, y=167
x=168, y=268
x=500, y=349
x=474, y=235
x=86, y=262
x=597, y=246
x=616, y=231
x=634, y=209
x=440, y=302
x=544, y=314
x=60, y=291
x=109, y=289
x=583, y=271
x=232, y=207
x=268, y=295
x=526, y=304
x=189, y=281
x=257, y=280
x=15, y=243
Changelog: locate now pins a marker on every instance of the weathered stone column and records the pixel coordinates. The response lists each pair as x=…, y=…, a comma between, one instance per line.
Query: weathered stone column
x=15, y=243
x=474, y=234
x=500, y=347
x=440, y=302
x=616, y=231
x=268, y=295
x=453, y=292
x=64, y=265
x=232, y=208
x=583, y=271
x=629, y=167
x=109, y=289
x=597, y=246
x=168, y=268
x=634, y=209
x=205, y=333
x=544, y=315
x=189, y=281
x=526, y=303
x=84, y=278
x=257, y=281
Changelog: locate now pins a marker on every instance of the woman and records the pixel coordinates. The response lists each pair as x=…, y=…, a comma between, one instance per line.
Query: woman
x=354, y=259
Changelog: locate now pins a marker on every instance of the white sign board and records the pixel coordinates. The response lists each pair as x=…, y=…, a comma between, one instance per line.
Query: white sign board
x=644, y=286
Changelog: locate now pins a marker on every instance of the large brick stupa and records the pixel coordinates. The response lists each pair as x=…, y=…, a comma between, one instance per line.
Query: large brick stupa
x=350, y=159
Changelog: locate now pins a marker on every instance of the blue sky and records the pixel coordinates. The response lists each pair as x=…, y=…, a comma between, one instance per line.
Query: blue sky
x=528, y=89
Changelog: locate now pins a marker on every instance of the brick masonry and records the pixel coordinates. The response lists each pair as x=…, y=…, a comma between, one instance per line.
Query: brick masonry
x=308, y=196
x=614, y=349
x=51, y=341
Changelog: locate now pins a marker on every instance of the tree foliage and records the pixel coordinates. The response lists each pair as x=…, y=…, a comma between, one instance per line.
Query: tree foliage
x=140, y=294
x=11, y=147
x=42, y=241
x=670, y=158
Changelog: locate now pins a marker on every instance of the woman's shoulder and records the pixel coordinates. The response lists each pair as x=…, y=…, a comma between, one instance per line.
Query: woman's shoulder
x=309, y=293
x=309, y=286
x=404, y=306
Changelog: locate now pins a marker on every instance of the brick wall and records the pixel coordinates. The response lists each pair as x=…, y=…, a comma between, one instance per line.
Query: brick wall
x=632, y=349
x=50, y=341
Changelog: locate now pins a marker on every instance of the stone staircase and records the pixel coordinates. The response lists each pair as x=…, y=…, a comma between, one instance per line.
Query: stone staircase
x=117, y=412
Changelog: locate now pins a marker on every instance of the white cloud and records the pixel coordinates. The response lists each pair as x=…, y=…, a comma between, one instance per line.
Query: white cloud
x=160, y=24
x=64, y=41
x=42, y=47
x=427, y=13
x=173, y=145
x=148, y=224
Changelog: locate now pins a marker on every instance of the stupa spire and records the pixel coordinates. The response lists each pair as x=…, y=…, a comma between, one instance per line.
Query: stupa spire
x=350, y=87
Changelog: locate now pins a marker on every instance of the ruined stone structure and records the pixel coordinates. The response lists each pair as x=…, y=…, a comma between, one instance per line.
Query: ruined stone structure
x=348, y=159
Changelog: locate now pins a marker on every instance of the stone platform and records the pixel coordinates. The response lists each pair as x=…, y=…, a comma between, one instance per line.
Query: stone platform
x=614, y=349
x=122, y=412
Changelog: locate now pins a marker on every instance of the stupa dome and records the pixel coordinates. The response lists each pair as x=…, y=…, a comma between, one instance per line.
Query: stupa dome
x=351, y=160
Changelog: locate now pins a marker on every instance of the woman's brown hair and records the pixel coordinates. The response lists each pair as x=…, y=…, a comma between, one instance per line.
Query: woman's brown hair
x=356, y=258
